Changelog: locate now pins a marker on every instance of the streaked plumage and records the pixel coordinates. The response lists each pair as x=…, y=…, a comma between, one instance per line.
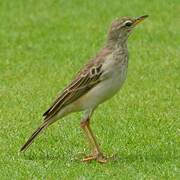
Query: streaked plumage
x=98, y=81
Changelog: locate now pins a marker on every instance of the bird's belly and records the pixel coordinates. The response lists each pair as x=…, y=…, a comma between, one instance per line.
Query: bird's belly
x=103, y=91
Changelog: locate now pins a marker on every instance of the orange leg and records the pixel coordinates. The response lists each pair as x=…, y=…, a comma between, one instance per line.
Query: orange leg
x=96, y=152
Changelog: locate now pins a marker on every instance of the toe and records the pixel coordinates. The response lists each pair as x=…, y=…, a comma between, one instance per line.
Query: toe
x=101, y=159
x=89, y=158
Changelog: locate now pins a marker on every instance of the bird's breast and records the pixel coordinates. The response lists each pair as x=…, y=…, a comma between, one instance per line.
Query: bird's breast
x=105, y=89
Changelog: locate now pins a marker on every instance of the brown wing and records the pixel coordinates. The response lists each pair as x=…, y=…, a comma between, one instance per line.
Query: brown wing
x=86, y=79
x=81, y=85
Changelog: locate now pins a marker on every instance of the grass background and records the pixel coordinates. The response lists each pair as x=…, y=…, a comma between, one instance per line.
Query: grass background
x=43, y=43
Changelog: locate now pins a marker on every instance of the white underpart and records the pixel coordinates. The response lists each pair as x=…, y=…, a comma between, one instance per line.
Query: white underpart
x=114, y=76
x=115, y=72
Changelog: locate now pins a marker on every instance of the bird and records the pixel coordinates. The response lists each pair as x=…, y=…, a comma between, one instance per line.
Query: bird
x=99, y=80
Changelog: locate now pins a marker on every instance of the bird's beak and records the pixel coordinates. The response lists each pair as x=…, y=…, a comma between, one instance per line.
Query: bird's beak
x=139, y=19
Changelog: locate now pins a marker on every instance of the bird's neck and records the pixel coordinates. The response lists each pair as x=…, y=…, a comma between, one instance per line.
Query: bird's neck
x=116, y=44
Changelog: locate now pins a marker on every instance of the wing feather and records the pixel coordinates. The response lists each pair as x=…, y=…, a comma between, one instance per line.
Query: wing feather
x=86, y=79
x=75, y=90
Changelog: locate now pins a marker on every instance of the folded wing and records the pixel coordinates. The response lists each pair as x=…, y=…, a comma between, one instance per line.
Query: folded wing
x=81, y=85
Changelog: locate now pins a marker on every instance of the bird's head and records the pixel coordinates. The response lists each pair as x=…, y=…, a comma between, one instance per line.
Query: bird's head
x=122, y=27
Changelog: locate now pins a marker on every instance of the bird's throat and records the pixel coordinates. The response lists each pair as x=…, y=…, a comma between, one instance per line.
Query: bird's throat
x=119, y=43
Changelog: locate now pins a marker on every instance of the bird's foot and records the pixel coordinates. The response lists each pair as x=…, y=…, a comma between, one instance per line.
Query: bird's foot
x=97, y=157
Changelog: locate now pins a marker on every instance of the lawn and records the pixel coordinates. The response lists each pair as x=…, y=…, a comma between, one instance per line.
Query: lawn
x=43, y=44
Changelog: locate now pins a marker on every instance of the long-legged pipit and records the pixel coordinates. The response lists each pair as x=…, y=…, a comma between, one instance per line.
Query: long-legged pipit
x=98, y=81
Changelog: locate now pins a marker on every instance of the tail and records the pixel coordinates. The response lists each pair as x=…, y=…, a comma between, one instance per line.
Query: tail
x=34, y=135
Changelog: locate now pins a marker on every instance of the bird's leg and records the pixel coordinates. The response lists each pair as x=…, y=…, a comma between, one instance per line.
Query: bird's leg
x=96, y=152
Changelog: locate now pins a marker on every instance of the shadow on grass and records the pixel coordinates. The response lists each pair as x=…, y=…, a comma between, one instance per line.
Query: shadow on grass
x=116, y=158
x=63, y=157
x=42, y=157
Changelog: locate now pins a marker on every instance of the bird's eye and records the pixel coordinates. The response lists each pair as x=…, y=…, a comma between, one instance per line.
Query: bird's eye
x=128, y=23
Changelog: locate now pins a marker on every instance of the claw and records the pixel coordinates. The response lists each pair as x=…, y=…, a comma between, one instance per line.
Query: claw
x=102, y=159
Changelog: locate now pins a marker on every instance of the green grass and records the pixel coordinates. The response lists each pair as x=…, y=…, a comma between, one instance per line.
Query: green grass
x=42, y=45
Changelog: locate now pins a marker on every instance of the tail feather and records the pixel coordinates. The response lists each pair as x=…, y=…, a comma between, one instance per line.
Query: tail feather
x=34, y=135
